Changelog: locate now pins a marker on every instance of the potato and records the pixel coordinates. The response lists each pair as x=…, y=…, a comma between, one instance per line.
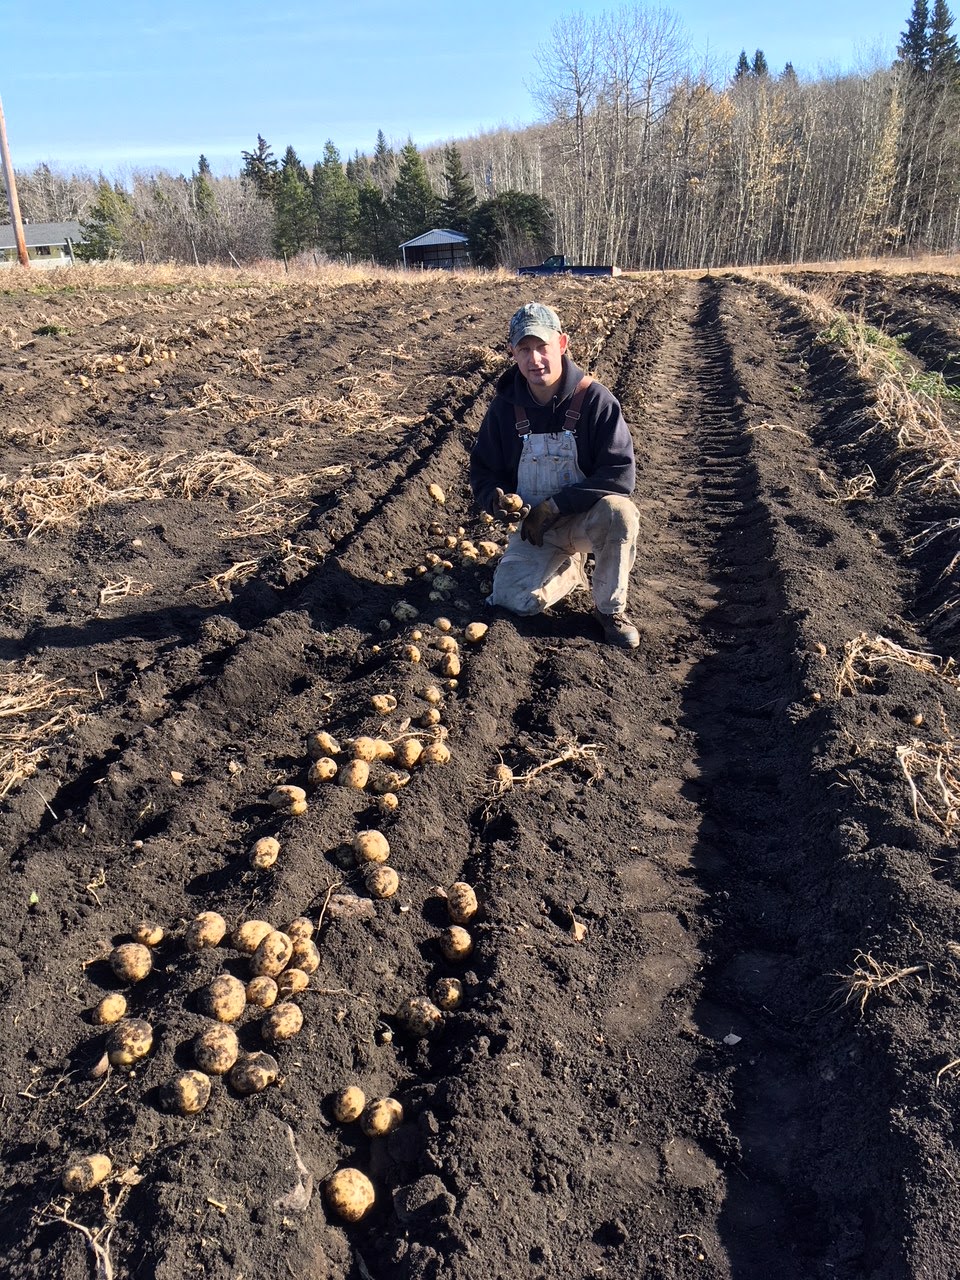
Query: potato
x=384, y=703
x=419, y=1016
x=254, y=1072
x=224, y=999
x=432, y=695
x=206, y=930
x=436, y=493
x=429, y=718
x=304, y=955
x=248, y=935
x=435, y=530
x=149, y=933
x=461, y=902
x=443, y=624
x=302, y=927
x=264, y=853
x=129, y=1041
x=281, y=1023
x=272, y=955
x=321, y=770
x=381, y=1117
x=188, y=1093
x=86, y=1173
x=110, y=1009
x=456, y=943
x=436, y=753
x=432, y=559
x=349, y=1194
x=388, y=802
x=381, y=881
x=502, y=774
x=511, y=502
x=474, y=632
x=322, y=744
x=291, y=981
x=416, y=636
x=215, y=1050
x=448, y=993
x=410, y=653
x=450, y=665
x=348, y=1104
x=450, y=541
x=288, y=799
x=368, y=749
x=262, y=991
x=408, y=752
x=132, y=961
x=371, y=846
x=447, y=644
x=396, y=779
x=489, y=549
x=354, y=775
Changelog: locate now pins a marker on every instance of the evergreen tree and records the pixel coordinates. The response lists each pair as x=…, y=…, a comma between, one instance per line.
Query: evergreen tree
x=108, y=225
x=384, y=164
x=789, y=75
x=943, y=55
x=413, y=204
x=510, y=228
x=204, y=199
x=459, y=202
x=742, y=68
x=760, y=68
x=293, y=210
x=913, y=50
x=261, y=168
x=358, y=169
x=335, y=203
x=377, y=236
x=291, y=163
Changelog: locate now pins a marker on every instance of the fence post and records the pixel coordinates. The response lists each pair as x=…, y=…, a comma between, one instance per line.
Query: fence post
x=234, y=261
x=73, y=261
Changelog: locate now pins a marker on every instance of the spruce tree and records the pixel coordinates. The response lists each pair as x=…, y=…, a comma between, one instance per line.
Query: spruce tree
x=742, y=69
x=459, y=202
x=384, y=164
x=913, y=49
x=413, y=203
x=943, y=54
x=335, y=204
x=377, y=236
x=509, y=229
x=293, y=210
x=789, y=75
x=108, y=225
x=204, y=199
x=261, y=168
x=760, y=68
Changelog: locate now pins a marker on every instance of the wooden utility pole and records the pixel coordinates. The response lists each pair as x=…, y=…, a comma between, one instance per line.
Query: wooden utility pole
x=12, y=200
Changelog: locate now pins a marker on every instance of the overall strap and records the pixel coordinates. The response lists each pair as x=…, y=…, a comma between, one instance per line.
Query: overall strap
x=571, y=417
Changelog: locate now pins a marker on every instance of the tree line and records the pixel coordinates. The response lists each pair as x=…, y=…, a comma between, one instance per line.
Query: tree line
x=638, y=160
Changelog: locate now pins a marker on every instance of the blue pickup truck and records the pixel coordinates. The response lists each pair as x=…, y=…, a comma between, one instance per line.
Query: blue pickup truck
x=558, y=266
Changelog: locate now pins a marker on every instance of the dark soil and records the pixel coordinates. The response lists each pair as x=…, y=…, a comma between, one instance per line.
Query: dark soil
x=710, y=1021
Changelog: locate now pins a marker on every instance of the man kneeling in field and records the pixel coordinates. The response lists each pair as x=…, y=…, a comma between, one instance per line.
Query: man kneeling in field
x=554, y=443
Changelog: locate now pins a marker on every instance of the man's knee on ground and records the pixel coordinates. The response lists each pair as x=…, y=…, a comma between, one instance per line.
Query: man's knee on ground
x=619, y=516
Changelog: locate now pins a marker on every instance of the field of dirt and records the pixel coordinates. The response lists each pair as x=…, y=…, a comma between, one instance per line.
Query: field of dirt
x=711, y=1020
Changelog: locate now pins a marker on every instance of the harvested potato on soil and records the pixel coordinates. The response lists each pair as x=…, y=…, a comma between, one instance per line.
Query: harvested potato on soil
x=461, y=902
x=215, y=1049
x=443, y=624
x=131, y=961
x=381, y=881
x=272, y=955
x=322, y=744
x=302, y=927
x=111, y=1009
x=432, y=694
x=429, y=718
x=408, y=752
x=383, y=703
x=436, y=493
x=456, y=943
x=291, y=981
x=129, y=1041
x=396, y=779
x=387, y=802
x=148, y=933
x=254, y=1072
x=474, y=632
x=207, y=930
x=489, y=549
x=355, y=775
x=224, y=999
x=349, y=1194
x=448, y=993
x=450, y=665
x=368, y=749
x=436, y=753
x=348, y=1104
x=288, y=799
x=188, y=1093
x=262, y=991
x=86, y=1173
x=371, y=846
x=304, y=955
x=419, y=1016
x=321, y=770
x=282, y=1022
x=264, y=853
x=381, y=1117
x=447, y=644
x=248, y=935
x=502, y=774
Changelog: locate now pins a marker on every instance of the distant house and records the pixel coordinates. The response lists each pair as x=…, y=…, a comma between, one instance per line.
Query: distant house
x=46, y=243
x=438, y=248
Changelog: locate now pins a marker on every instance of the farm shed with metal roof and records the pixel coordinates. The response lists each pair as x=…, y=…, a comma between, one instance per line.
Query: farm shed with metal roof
x=437, y=248
x=46, y=243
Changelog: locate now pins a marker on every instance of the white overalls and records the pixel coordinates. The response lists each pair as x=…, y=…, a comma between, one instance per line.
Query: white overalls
x=530, y=579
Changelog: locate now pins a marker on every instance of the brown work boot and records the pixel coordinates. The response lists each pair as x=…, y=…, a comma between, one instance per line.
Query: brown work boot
x=618, y=629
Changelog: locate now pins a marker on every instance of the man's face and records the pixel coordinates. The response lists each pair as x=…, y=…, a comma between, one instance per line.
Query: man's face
x=541, y=363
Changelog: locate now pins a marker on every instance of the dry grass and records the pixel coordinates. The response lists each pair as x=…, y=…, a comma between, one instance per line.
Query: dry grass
x=862, y=657
x=34, y=712
x=870, y=977
x=932, y=771
x=856, y=489
x=122, y=587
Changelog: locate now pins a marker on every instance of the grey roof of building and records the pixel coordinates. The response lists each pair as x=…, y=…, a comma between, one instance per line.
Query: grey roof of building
x=439, y=235
x=39, y=233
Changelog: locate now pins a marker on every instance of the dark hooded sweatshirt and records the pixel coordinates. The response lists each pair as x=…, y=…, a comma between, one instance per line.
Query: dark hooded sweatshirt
x=604, y=445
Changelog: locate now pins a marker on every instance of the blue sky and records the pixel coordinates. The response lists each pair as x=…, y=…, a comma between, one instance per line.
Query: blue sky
x=116, y=86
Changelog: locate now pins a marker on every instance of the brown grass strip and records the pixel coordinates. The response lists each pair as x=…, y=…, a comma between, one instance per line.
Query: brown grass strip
x=35, y=712
x=862, y=656
x=932, y=771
